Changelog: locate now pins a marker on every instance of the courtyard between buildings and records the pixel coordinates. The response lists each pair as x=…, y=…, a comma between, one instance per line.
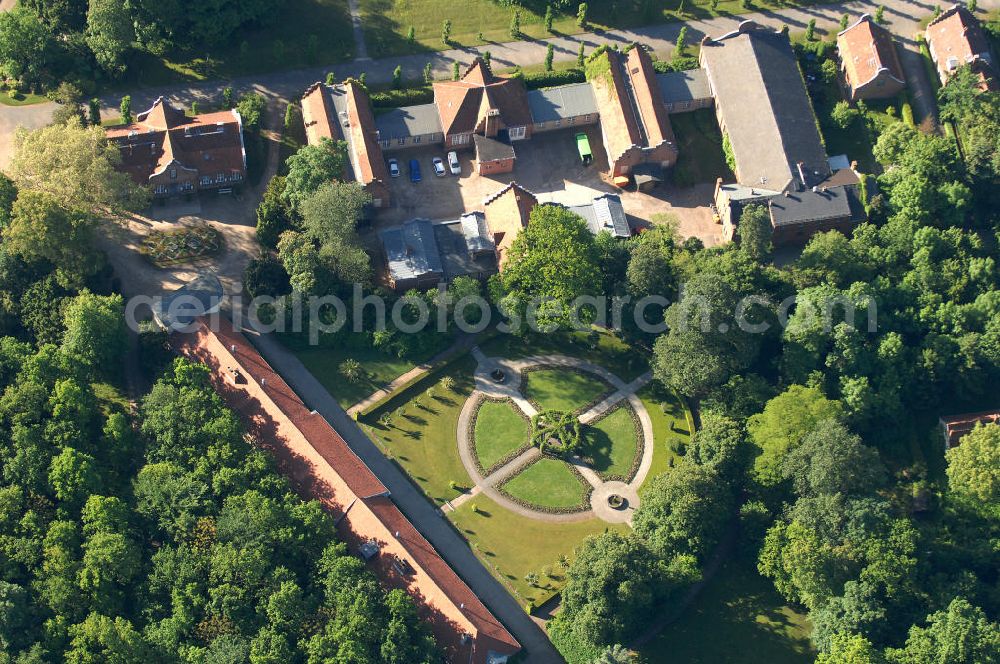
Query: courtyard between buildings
x=549, y=166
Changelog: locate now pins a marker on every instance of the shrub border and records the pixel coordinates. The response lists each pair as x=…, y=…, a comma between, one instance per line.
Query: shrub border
x=470, y=435
x=640, y=443
x=545, y=367
x=582, y=506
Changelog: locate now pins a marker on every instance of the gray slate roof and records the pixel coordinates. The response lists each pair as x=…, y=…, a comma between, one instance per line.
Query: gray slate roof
x=564, y=101
x=411, y=250
x=490, y=149
x=681, y=86
x=408, y=121
x=799, y=207
x=762, y=99
x=456, y=256
x=476, y=232
x=604, y=213
x=201, y=296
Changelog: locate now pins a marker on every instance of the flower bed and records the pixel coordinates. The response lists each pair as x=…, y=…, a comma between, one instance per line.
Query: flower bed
x=179, y=246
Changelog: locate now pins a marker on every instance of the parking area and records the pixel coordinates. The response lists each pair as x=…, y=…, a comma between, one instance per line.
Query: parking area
x=549, y=166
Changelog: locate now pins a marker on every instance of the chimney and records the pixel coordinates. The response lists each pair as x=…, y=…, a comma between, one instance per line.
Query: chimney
x=802, y=173
x=492, y=123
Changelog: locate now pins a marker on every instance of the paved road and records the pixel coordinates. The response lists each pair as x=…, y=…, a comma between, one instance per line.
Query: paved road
x=427, y=519
x=902, y=17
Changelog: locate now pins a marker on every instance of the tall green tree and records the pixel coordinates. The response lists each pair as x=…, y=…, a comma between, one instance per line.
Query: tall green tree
x=974, y=466
x=313, y=166
x=77, y=167
x=110, y=33
x=552, y=262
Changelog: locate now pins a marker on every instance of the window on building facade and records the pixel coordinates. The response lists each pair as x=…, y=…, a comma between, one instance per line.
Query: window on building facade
x=173, y=173
x=416, y=139
x=517, y=133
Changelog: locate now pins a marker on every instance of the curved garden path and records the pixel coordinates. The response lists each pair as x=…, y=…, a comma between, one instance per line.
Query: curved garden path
x=486, y=387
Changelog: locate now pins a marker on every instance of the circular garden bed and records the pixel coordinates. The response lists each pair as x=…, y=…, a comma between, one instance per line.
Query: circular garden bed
x=184, y=244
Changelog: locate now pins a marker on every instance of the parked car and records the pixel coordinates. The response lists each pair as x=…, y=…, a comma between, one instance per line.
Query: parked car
x=393, y=168
x=438, y=167
x=415, y=171
x=456, y=168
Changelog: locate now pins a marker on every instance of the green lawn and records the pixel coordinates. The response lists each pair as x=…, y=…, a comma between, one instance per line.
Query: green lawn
x=10, y=98
x=669, y=426
x=562, y=389
x=699, y=141
x=500, y=429
x=512, y=546
x=305, y=33
x=738, y=618
x=604, y=349
x=547, y=483
x=610, y=443
x=422, y=433
x=387, y=22
x=324, y=363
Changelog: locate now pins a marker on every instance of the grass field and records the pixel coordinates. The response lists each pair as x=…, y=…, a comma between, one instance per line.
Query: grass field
x=604, y=349
x=610, y=443
x=305, y=33
x=669, y=426
x=9, y=98
x=547, y=483
x=737, y=619
x=512, y=546
x=500, y=430
x=562, y=389
x=699, y=141
x=480, y=22
x=421, y=436
x=324, y=363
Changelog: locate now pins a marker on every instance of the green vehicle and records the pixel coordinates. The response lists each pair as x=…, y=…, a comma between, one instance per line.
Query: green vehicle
x=583, y=147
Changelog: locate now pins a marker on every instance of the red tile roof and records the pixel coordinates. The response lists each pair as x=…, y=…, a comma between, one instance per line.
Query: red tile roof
x=463, y=105
x=630, y=102
x=866, y=48
x=325, y=467
x=957, y=426
x=207, y=144
x=507, y=212
x=955, y=38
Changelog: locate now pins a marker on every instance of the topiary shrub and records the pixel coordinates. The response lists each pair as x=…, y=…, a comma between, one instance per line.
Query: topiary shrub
x=555, y=432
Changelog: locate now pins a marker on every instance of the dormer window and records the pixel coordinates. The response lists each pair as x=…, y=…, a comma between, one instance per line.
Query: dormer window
x=173, y=173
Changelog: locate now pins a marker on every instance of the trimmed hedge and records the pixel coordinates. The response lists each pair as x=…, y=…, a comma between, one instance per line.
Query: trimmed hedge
x=685, y=63
x=549, y=79
x=403, y=97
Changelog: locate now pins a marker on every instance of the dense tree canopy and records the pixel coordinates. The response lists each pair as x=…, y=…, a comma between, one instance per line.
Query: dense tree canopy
x=552, y=262
x=76, y=166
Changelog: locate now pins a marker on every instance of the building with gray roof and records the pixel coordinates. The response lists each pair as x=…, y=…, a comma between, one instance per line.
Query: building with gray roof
x=763, y=108
x=604, y=213
x=420, y=253
x=409, y=126
x=563, y=106
x=685, y=90
x=411, y=254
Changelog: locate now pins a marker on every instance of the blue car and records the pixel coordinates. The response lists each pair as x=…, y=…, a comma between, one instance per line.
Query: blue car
x=415, y=171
